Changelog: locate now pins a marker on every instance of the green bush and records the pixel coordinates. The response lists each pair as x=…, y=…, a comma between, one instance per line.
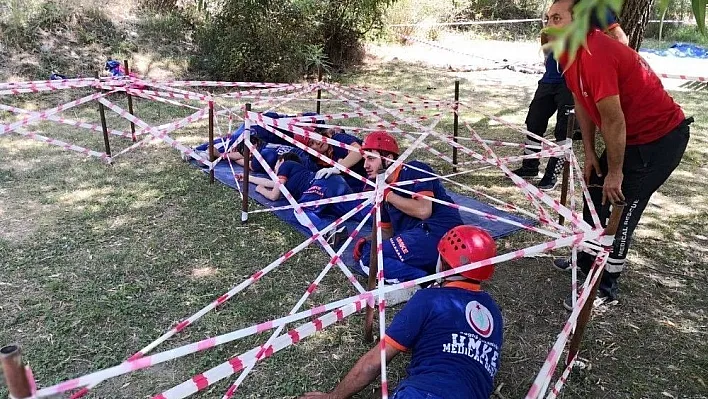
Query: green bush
x=274, y=40
x=254, y=40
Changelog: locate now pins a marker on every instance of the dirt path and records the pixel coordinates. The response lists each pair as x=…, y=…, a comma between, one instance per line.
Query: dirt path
x=472, y=54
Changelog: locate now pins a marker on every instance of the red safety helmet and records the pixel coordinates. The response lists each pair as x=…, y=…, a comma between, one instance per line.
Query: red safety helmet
x=380, y=141
x=467, y=244
x=301, y=139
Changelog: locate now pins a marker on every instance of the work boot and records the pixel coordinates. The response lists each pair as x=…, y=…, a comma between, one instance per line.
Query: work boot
x=601, y=300
x=337, y=236
x=529, y=168
x=550, y=177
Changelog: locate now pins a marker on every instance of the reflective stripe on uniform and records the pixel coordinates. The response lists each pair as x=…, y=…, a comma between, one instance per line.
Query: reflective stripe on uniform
x=614, y=265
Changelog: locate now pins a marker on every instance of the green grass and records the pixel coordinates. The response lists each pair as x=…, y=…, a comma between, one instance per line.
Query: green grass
x=98, y=260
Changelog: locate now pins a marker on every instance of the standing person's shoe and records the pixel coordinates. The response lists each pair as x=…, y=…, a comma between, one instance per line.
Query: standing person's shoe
x=529, y=168
x=601, y=300
x=336, y=237
x=547, y=183
x=526, y=172
x=550, y=177
x=562, y=264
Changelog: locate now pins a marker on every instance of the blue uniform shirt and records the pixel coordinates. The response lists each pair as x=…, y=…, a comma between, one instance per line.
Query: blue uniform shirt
x=553, y=74
x=443, y=217
x=296, y=178
x=339, y=153
x=455, y=335
x=270, y=153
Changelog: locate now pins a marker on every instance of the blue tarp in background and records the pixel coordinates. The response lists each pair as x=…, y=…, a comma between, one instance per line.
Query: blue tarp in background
x=680, y=50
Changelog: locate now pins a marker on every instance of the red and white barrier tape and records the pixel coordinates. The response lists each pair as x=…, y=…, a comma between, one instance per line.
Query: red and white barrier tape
x=138, y=362
x=544, y=376
x=236, y=364
x=304, y=219
x=91, y=126
x=521, y=183
x=683, y=77
x=561, y=381
x=380, y=185
x=310, y=289
x=46, y=113
x=62, y=144
x=489, y=22
x=422, y=144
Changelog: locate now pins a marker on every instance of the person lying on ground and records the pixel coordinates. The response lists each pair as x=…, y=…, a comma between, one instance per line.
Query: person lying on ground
x=348, y=159
x=304, y=187
x=454, y=331
x=412, y=225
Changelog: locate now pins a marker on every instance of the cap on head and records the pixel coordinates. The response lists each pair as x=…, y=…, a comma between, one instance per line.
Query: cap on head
x=380, y=141
x=467, y=244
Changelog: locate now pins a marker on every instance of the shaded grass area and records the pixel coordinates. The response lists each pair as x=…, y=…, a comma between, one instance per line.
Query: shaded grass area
x=75, y=39
x=98, y=260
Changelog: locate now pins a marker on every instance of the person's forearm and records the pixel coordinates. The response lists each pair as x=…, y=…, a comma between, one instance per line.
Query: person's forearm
x=351, y=159
x=361, y=375
x=272, y=193
x=587, y=128
x=614, y=132
x=417, y=208
x=261, y=181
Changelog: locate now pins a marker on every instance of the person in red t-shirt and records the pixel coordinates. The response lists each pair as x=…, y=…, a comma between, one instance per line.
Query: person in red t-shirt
x=644, y=130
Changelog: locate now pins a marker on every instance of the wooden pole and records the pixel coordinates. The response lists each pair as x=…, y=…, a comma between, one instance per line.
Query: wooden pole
x=102, y=112
x=570, y=129
x=212, y=157
x=14, y=372
x=584, y=316
x=246, y=167
x=455, y=125
x=130, y=101
x=319, y=91
x=373, y=271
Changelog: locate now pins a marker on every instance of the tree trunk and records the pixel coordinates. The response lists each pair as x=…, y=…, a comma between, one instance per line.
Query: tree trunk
x=634, y=19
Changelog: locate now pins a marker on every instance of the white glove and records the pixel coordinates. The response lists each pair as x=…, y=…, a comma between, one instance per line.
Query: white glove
x=326, y=172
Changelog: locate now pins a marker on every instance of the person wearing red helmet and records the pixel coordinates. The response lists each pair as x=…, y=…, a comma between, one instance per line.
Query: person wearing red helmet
x=454, y=331
x=412, y=225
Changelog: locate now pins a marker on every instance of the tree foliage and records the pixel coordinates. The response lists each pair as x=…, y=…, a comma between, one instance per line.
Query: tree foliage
x=573, y=36
x=276, y=39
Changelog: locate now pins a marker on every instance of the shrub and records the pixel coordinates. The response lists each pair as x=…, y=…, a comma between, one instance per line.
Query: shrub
x=254, y=40
x=274, y=40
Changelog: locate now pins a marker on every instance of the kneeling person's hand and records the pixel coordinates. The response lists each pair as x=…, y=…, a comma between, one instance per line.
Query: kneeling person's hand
x=326, y=172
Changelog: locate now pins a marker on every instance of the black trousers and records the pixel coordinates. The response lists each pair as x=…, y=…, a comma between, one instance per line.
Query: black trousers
x=646, y=167
x=549, y=99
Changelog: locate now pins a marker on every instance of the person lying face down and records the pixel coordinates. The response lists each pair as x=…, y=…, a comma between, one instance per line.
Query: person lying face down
x=305, y=187
x=411, y=225
x=348, y=159
x=454, y=332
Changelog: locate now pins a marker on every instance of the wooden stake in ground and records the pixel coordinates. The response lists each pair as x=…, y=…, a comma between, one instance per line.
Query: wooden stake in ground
x=14, y=372
x=455, y=125
x=246, y=166
x=212, y=158
x=570, y=130
x=126, y=66
x=319, y=91
x=373, y=272
x=102, y=112
x=584, y=316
